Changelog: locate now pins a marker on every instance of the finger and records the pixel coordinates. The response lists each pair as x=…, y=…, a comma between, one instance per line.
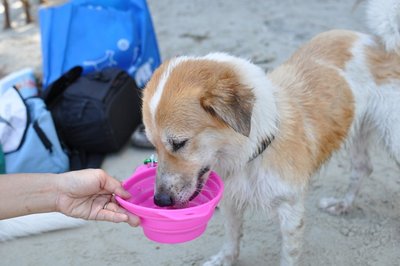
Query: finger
x=114, y=213
x=120, y=191
x=133, y=220
x=115, y=186
x=110, y=216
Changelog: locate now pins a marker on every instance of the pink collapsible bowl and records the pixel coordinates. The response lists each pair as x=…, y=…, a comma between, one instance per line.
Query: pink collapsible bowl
x=167, y=225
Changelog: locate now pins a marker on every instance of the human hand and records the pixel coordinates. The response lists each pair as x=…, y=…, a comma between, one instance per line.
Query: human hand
x=88, y=194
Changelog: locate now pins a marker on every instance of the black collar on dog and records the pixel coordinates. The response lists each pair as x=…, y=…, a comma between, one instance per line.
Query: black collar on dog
x=262, y=146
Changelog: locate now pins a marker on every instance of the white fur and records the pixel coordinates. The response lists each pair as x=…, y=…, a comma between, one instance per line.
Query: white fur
x=262, y=189
x=375, y=115
x=266, y=191
x=260, y=184
x=375, y=110
x=383, y=18
x=36, y=224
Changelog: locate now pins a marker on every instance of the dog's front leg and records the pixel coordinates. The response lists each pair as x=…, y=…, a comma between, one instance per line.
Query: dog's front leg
x=233, y=233
x=291, y=223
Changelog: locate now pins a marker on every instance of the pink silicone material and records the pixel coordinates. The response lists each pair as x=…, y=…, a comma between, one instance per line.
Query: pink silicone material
x=166, y=225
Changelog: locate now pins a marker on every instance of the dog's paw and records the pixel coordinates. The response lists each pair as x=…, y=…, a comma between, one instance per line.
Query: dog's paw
x=334, y=206
x=219, y=259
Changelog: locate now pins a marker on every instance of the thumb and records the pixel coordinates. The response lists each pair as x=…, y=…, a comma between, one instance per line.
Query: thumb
x=114, y=186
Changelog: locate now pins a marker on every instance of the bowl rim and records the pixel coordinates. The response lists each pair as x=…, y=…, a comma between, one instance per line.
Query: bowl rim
x=148, y=210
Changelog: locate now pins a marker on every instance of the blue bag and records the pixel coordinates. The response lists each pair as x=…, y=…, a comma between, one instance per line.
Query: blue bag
x=96, y=34
x=28, y=136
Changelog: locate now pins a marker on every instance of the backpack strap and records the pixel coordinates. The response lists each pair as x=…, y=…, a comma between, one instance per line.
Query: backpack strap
x=56, y=89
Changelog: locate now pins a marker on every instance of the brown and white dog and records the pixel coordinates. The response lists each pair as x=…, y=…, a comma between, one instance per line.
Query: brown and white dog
x=267, y=134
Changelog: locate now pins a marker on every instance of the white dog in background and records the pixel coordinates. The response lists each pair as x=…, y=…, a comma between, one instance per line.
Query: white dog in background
x=267, y=134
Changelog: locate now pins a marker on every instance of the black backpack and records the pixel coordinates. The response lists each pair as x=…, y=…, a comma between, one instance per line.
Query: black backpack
x=94, y=114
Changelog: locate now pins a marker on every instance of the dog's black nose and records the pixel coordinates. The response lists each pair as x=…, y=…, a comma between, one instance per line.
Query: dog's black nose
x=163, y=200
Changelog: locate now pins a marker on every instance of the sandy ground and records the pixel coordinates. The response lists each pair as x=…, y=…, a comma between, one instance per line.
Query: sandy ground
x=266, y=32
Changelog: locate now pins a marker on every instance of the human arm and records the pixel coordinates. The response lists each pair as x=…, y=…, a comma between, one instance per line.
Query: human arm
x=80, y=194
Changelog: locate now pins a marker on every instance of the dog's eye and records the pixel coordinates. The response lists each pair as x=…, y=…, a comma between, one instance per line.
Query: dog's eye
x=178, y=144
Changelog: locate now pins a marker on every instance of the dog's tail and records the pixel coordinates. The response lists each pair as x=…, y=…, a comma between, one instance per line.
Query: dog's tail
x=383, y=19
x=36, y=224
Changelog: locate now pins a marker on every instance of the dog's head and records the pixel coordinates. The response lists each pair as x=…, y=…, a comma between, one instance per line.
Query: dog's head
x=193, y=108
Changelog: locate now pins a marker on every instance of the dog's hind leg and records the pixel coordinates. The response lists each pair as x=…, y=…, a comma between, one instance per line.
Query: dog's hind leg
x=291, y=217
x=360, y=167
x=390, y=134
x=233, y=233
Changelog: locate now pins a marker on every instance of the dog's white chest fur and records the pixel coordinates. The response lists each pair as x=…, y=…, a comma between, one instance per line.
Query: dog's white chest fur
x=257, y=188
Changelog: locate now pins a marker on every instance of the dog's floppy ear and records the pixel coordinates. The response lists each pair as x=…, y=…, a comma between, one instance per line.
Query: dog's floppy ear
x=230, y=102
